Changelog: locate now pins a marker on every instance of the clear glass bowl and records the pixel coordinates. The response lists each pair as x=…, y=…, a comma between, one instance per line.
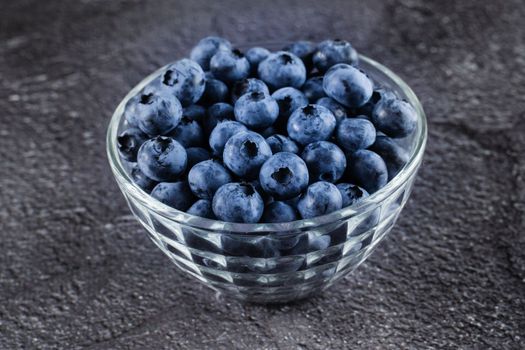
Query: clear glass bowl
x=270, y=263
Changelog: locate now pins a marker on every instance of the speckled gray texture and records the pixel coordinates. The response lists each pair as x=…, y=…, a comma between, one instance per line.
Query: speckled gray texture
x=76, y=270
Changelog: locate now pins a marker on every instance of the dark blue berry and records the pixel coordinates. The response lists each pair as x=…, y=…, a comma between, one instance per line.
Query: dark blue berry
x=244, y=86
x=206, y=177
x=394, y=117
x=279, y=212
x=395, y=156
x=284, y=175
x=351, y=194
x=238, y=202
x=188, y=133
x=216, y=113
x=368, y=170
x=222, y=133
x=279, y=143
x=331, y=52
x=142, y=180
x=310, y=124
x=354, y=134
x=282, y=69
x=347, y=85
x=175, y=194
x=162, y=159
x=155, y=113
x=229, y=66
x=288, y=99
x=202, y=208
x=245, y=153
x=256, y=55
x=269, y=131
x=337, y=109
x=321, y=198
x=194, y=112
x=256, y=110
x=206, y=48
x=129, y=142
x=304, y=50
x=367, y=109
x=313, y=89
x=214, y=92
x=196, y=155
x=325, y=161
x=185, y=80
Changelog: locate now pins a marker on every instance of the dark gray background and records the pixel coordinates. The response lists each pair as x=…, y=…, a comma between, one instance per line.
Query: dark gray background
x=77, y=271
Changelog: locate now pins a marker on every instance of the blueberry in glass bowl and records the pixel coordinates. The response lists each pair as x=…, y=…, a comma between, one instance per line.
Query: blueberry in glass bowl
x=301, y=226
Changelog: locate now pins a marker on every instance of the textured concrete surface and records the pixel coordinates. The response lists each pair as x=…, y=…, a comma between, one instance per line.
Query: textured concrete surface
x=77, y=272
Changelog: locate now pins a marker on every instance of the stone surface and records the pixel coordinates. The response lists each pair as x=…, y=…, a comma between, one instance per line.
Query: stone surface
x=76, y=270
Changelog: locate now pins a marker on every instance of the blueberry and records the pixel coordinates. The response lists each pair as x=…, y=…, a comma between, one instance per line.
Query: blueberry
x=238, y=202
x=202, y=208
x=367, y=109
x=229, y=66
x=188, y=133
x=142, y=180
x=206, y=177
x=354, y=134
x=133, y=106
x=129, y=142
x=214, y=92
x=351, y=194
x=304, y=50
x=311, y=123
x=185, y=80
x=368, y=170
x=269, y=131
x=320, y=198
x=256, y=110
x=244, y=86
x=175, y=194
x=337, y=109
x=282, y=69
x=288, y=99
x=196, y=155
x=194, y=112
x=256, y=55
x=279, y=212
x=155, y=113
x=222, y=133
x=325, y=161
x=279, y=143
x=347, y=85
x=206, y=48
x=267, y=198
x=313, y=89
x=331, y=52
x=395, y=156
x=284, y=175
x=162, y=158
x=293, y=201
x=217, y=113
x=245, y=153
x=394, y=117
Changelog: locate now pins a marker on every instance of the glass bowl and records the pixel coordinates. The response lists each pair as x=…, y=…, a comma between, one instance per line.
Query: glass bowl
x=268, y=263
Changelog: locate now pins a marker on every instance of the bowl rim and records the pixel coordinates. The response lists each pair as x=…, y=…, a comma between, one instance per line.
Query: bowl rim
x=127, y=185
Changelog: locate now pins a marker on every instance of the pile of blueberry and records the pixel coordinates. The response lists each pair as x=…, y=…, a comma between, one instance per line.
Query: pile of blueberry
x=265, y=136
